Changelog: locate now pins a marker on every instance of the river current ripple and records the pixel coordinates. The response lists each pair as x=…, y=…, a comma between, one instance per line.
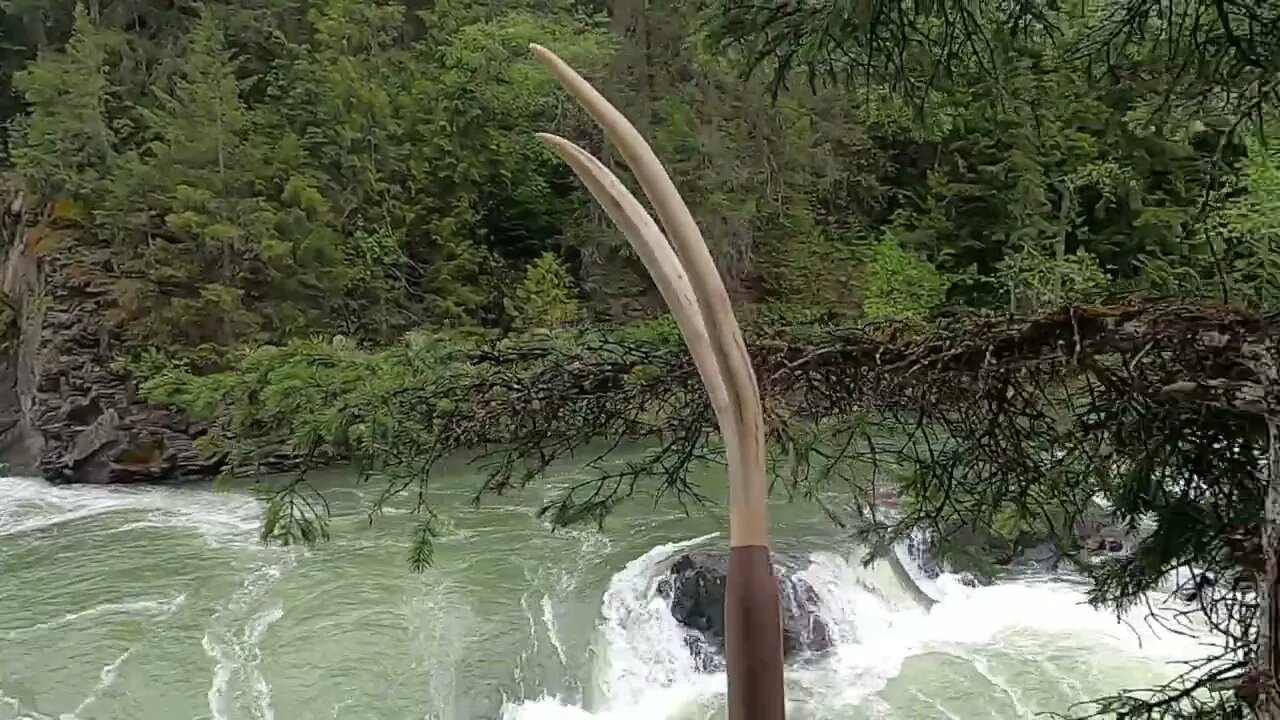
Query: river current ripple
x=161, y=604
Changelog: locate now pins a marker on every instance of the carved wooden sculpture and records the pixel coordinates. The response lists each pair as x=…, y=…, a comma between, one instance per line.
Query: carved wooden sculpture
x=686, y=275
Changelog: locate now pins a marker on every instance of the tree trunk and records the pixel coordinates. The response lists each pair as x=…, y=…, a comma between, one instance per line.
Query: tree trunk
x=631, y=23
x=1060, y=251
x=610, y=274
x=1266, y=670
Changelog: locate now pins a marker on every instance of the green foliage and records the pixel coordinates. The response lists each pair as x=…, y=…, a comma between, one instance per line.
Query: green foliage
x=318, y=400
x=1036, y=282
x=1251, y=231
x=1205, y=51
x=310, y=397
x=264, y=172
x=900, y=286
x=811, y=276
x=66, y=145
x=661, y=331
x=254, y=189
x=546, y=297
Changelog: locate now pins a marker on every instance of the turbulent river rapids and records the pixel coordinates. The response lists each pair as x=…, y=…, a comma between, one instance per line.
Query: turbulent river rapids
x=161, y=604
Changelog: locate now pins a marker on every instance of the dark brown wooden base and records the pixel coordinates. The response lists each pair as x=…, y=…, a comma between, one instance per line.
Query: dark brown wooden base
x=753, y=636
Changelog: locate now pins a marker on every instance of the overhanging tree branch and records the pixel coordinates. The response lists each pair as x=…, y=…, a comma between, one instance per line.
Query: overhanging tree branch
x=992, y=432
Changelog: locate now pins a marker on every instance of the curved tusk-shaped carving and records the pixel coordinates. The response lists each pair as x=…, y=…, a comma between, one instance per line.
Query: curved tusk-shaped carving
x=749, y=493
x=753, y=636
x=658, y=257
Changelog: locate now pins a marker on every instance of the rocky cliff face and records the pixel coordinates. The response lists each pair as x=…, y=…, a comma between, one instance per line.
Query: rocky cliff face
x=65, y=414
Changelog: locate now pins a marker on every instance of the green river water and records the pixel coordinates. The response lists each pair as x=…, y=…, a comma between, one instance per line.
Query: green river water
x=160, y=604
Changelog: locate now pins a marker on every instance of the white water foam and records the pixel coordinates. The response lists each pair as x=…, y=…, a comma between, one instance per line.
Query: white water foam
x=28, y=505
x=234, y=640
x=443, y=623
x=161, y=608
x=1015, y=615
x=106, y=677
x=32, y=507
x=646, y=670
x=553, y=632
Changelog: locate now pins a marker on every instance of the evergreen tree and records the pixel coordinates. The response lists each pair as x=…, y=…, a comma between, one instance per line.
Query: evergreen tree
x=66, y=144
x=546, y=297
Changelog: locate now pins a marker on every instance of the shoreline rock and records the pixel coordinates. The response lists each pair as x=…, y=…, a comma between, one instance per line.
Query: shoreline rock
x=983, y=556
x=65, y=412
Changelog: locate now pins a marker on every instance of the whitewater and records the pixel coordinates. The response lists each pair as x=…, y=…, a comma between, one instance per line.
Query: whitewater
x=160, y=602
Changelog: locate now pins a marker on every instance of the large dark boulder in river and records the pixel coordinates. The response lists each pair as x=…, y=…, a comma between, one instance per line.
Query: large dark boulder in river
x=695, y=589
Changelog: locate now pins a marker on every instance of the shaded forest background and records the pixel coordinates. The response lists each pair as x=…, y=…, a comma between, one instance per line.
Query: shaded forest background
x=269, y=171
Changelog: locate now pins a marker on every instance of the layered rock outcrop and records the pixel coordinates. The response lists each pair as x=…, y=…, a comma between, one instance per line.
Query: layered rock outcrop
x=65, y=412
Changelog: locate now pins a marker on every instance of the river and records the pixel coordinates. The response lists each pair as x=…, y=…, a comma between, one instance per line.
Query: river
x=160, y=604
